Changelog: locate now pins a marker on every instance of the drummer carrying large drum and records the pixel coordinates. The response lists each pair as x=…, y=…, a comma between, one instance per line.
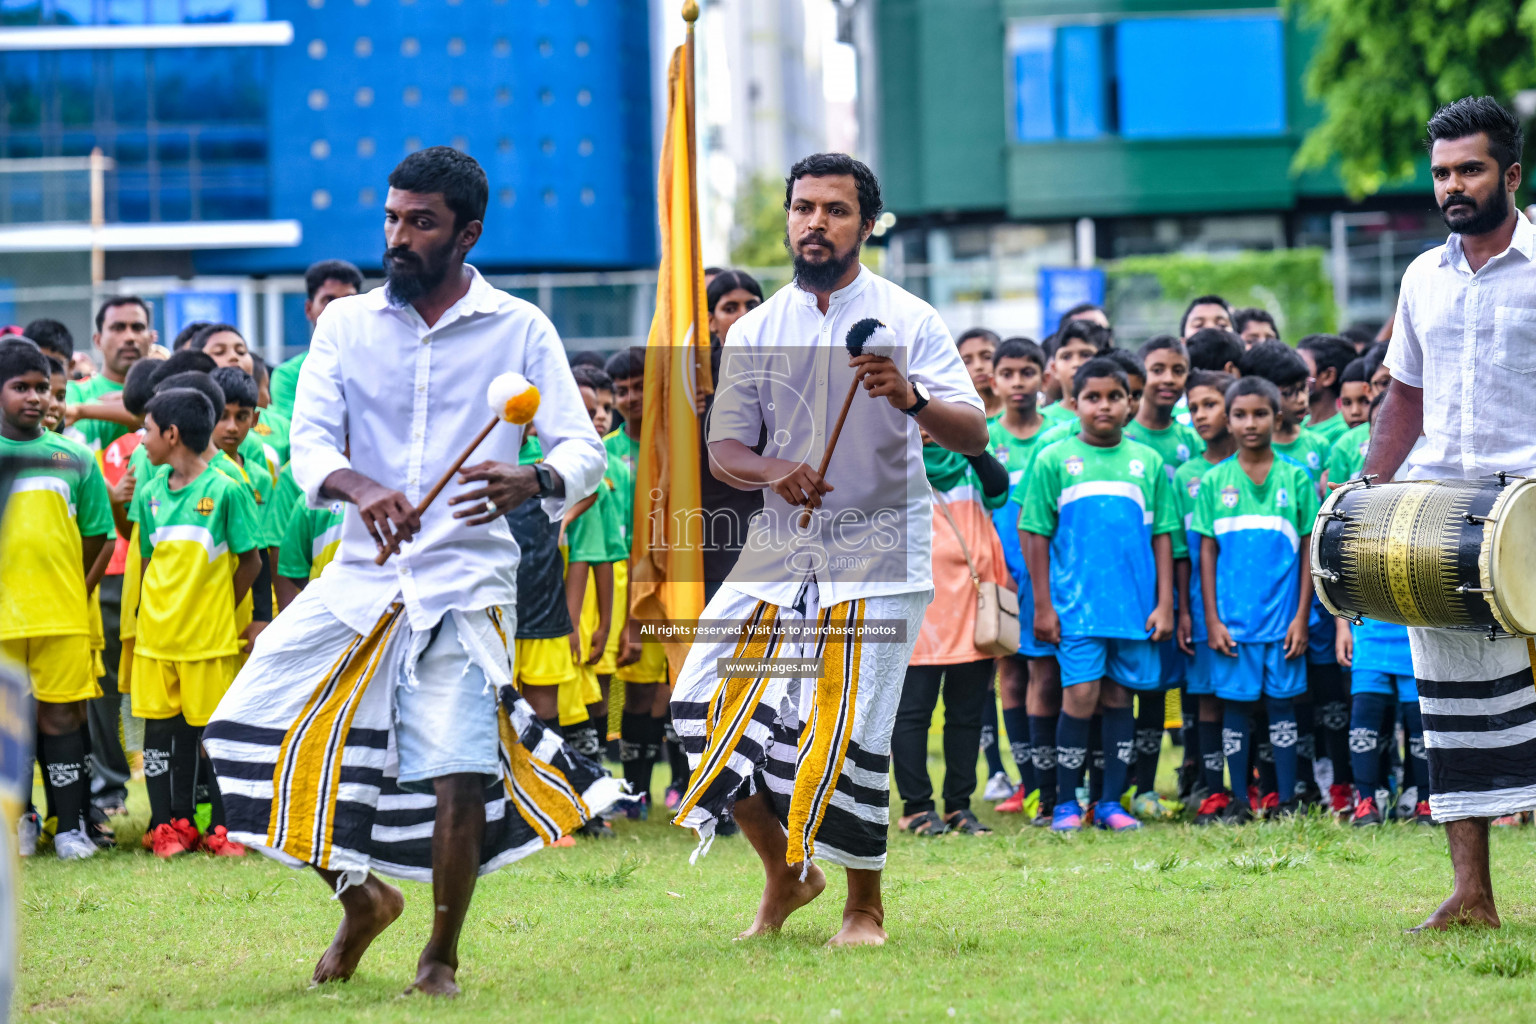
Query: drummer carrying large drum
x=1463, y=362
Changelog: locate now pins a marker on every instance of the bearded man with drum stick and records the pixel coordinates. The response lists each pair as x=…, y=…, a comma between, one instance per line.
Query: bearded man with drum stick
x=1463, y=362
x=376, y=727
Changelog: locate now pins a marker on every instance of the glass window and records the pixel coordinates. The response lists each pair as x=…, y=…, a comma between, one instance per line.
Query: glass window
x=1182, y=77
x=1032, y=60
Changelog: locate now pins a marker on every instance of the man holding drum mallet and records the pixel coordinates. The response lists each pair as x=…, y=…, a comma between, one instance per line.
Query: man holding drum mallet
x=1463, y=362
x=376, y=727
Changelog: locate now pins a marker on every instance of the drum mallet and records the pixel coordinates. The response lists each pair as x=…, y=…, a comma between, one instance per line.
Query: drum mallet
x=513, y=399
x=859, y=344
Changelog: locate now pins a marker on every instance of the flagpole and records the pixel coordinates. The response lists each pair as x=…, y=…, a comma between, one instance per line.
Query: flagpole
x=691, y=15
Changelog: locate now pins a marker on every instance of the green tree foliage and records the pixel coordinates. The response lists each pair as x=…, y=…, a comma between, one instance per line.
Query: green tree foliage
x=1382, y=67
x=1146, y=294
x=757, y=239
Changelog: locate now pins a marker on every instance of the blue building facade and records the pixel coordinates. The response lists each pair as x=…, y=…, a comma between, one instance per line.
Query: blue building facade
x=553, y=97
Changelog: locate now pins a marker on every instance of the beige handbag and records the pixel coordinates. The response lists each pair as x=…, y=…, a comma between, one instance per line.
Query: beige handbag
x=997, y=608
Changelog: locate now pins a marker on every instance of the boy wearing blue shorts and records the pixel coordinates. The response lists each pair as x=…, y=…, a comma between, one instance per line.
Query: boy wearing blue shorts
x=1098, y=516
x=1381, y=672
x=1254, y=516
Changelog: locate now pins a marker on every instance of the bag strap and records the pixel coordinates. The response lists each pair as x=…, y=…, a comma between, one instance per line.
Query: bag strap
x=944, y=508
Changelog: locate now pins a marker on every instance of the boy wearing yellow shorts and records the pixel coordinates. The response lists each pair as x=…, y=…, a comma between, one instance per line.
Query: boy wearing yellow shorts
x=57, y=523
x=198, y=537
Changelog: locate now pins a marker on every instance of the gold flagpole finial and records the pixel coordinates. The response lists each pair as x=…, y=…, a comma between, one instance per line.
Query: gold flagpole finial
x=690, y=11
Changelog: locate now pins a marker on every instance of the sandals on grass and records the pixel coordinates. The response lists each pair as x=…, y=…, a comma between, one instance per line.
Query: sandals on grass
x=966, y=822
x=927, y=824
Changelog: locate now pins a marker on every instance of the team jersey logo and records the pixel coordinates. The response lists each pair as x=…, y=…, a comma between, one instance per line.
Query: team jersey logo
x=336, y=508
x=1364, y=445
x=1229, y=496
x=1193, y=487
x=62, y=457
x=204, y=506
x=1313, y=460
x=1137, y=467
x=1183, y=452
x=154, y=506
x=1074, y=466
x=262, y=429
x=1282, y=498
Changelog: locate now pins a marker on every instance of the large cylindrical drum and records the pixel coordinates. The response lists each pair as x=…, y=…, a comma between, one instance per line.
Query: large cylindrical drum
x=1452, y=554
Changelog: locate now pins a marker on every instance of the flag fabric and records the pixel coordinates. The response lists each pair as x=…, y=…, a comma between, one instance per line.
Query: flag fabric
x=667, y=563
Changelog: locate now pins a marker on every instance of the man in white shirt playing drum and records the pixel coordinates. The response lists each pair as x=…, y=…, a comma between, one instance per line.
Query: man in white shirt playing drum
x=1462, y=359
x=805, y=761
x=376, y=727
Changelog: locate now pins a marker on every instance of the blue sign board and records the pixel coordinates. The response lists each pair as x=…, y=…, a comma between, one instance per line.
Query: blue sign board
x=182, y=308
x=1061, y=288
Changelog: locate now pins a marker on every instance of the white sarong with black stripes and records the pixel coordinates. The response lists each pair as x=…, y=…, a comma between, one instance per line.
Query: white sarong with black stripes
x=303, y=745
x=1478, y=699
x=820, y=748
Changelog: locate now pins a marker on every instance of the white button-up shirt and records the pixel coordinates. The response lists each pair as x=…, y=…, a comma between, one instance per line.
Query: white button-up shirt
x=410, y=398
x=1469, y=340
x=784, y=366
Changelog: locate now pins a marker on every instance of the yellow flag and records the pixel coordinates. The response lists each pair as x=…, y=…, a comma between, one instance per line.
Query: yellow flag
x=667, y=575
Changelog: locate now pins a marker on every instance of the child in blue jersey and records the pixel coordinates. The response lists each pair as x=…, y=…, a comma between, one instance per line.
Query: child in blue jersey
x=1018, y=369
x=1204, y=767
x=1254, y=516
x=1098, y=517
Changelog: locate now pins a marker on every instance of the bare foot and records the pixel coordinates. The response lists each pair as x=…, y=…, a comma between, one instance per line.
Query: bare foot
x=860, y=928
x=434, y=978
x=374, y=908
x=784, y=894
x=1459, y=910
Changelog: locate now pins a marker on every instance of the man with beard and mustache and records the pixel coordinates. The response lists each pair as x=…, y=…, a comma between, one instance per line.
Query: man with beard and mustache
x=375, y=726
x=1462, y=354
x=124, y=334
x=865, y=555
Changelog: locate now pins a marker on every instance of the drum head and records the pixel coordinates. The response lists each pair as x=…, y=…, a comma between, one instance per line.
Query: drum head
x=1512, y=559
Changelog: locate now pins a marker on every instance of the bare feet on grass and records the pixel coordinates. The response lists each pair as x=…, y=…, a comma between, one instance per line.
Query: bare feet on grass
x=1461, y=910
x=784, y=894
x=373, y=908
x=860, y=928
x=434, y=978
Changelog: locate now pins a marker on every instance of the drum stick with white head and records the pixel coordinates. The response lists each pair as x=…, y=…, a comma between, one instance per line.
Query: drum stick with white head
x=513, y=399
x=861, y=341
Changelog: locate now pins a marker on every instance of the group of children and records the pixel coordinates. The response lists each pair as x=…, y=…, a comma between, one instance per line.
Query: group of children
x=1163, y=503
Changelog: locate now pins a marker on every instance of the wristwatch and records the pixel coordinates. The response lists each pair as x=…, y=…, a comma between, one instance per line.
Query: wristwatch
x=922, y=399
x=546, y=478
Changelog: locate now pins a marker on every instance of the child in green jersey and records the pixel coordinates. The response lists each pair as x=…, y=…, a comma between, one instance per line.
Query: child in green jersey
x=1326, y=356
x=1073, y=345
x=57, y=521
x=198, y=541
x=229, y=435
x=1279, y=364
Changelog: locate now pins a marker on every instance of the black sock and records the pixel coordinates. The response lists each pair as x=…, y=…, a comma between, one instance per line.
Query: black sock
x=989, y=744
x=1042, y=738
x=1263, y=753
x=677, y=759
x=1021, y=745
x=186, y=746
x=1212, y=762
x=1096, y=760
x=632, y=748
x=1306, y=745
x=159, y=735
x=655, y=748
x=1150, y=715
x=1189, y=731
x=65, y=778
x=215, y=798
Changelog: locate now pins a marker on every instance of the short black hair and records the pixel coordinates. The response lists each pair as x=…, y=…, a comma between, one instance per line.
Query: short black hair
x=21, y=355
x=182, y=361
x=57, y=362
x=1019, y=348
x=1211, y=348
x=1204, y=300
x=1077, y=311
x=587, y=358
x=51, y=336
x=1100, y=366
x=331, y=270
x=1086, y=330
x=200, y=339
x=189, y=411
x=1363, y=333
x=442, y=169
x=238, y=386
x=1241, y=318
x=1159, y=342
x=626, y=363
x=1209, y=379
x=1473, y=114
x=1255, y=385
x=831, y=165
x=977, y=332
x=121, y=300
x=726, y=281
x=1329, y=352
x=1354, y=373
x=1276, y=362
x=1127, y=361
x=592, y=377
x=1374, y=357
x=196, y=382
x=139, y=384
x=187, y=333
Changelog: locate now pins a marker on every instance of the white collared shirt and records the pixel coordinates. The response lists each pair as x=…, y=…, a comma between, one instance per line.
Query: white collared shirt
x=1469, y=340
x=410, y=398
x=784, y=366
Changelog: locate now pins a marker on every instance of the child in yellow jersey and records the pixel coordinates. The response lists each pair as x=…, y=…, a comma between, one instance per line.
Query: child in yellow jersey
x=310, y=541
x=229, y=434
x=198, y=539
x=57, y=522
x=591, y=551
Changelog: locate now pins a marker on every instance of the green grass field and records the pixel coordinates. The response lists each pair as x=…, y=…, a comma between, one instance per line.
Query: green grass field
x=1298, y=921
